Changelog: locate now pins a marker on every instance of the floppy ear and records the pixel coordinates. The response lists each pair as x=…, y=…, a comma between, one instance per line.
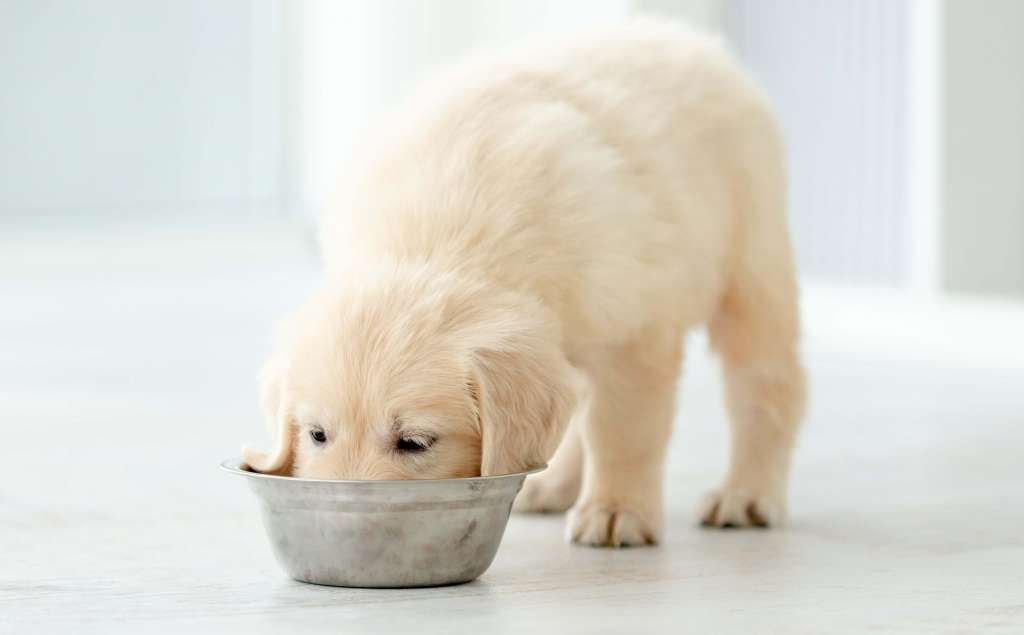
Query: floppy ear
x=282, y=426
x=524, y=399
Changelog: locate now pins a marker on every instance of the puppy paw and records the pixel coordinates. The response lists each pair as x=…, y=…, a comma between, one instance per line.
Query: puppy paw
x=740, y=507
x=600, y=525
x=546, y=495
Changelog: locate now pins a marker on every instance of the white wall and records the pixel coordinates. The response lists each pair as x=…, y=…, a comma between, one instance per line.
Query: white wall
x=983, y=157
x=837, y=74
x=137, y=108
x=905, y=133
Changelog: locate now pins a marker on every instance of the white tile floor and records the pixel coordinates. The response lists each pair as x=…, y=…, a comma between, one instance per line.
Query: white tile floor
x=127, y=371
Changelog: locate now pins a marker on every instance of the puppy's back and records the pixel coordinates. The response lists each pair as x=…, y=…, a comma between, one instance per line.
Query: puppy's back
x=600, y=174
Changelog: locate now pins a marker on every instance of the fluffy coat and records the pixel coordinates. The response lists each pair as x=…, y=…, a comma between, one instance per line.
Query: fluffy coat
x=526, y=243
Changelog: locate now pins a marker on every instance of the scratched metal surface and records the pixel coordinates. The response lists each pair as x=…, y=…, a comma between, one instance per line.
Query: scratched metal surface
x=383, y=534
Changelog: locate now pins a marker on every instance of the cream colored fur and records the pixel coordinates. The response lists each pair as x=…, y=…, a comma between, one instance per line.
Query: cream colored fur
x=532, y=236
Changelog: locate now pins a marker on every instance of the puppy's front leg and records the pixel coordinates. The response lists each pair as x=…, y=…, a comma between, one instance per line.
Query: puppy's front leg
x=625, y=436
x=556, y=488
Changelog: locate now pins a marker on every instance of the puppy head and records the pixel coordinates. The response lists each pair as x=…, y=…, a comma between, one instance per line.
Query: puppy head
x=411, y=375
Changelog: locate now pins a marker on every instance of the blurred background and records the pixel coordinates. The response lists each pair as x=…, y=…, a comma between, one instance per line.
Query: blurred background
x=160, y=156
x=904, y=119
x=162, y=166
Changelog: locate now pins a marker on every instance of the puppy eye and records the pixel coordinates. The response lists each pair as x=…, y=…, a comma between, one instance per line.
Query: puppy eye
x=318, y=434
x=413, y=444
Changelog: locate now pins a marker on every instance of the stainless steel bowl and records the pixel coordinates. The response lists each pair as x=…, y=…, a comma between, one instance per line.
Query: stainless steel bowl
x=384, y=533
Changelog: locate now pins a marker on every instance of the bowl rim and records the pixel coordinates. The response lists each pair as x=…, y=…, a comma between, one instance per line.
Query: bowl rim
x=234, y=466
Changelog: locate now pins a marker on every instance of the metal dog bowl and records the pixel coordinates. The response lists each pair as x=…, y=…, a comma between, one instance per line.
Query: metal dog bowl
x=384, y=533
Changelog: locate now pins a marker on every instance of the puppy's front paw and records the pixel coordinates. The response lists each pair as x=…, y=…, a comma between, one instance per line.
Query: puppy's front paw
x=603, y=525
x=741, y=507
x=543, y=494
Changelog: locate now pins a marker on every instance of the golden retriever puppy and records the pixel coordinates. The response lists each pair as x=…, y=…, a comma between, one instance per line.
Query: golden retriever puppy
x=527, y=242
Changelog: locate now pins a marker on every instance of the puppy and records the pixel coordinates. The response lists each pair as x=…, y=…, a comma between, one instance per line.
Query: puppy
x=526, y=244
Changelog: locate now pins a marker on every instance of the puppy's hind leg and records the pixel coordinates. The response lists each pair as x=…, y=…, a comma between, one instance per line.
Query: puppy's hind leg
x=556, y=488
x=755, y=333
x=625, y=435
